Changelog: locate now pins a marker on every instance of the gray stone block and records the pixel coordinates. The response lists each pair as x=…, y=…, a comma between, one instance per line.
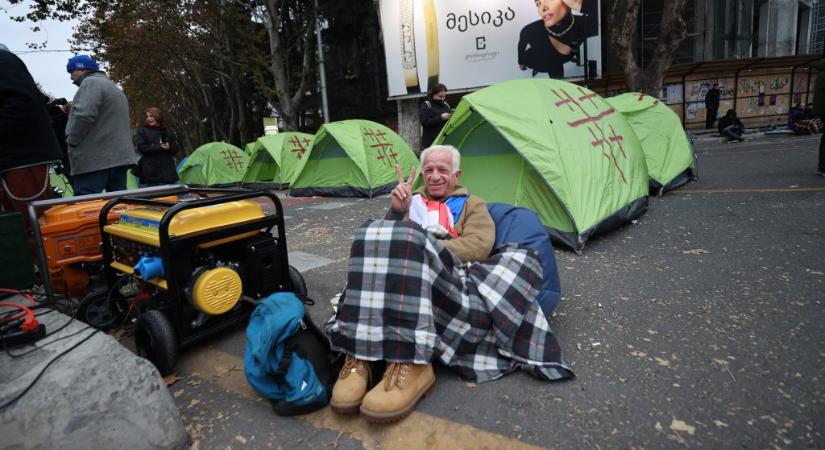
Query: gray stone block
x=98, y=395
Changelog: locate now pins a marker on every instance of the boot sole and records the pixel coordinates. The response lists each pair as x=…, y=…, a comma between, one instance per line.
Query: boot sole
x=346, y=408
x=395, y=416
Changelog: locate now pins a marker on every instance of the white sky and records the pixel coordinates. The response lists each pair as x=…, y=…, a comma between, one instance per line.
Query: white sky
x=47, y=67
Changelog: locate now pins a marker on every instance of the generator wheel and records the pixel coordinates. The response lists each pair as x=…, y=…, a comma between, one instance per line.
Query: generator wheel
x=96, y=310
x=156, y=341
x=299, y=286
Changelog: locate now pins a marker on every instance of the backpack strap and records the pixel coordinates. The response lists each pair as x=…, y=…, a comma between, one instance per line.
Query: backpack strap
x=283, y=366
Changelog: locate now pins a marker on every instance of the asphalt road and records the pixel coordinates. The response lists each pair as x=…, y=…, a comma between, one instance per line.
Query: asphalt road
x=699, y=326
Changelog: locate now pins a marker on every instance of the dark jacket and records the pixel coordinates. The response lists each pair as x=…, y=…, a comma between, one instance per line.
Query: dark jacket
x=712, y=99
x=727, y=121
x=537, y=52
x=431, y=122
x=819, y=90
x=26, y=137
x=156, y=165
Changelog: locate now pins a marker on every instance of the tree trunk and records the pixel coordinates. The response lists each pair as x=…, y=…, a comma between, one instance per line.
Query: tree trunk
x=409, y=127
x=623, y=33
x=288, y=103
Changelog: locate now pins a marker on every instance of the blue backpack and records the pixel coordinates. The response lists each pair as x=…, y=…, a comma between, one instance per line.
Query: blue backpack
x=287, y=357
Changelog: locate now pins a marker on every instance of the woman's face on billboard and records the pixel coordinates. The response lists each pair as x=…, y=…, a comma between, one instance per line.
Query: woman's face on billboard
x=551, y=11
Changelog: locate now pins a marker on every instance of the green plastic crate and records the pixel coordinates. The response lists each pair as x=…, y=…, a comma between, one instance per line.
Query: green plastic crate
x=16, y=263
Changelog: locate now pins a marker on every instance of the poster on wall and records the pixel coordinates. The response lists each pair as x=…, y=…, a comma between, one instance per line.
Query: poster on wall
x=468, y=44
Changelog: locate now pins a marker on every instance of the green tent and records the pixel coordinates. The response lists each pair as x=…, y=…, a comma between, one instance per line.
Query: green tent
x=669, y=153
x=214, y=164
x=353, y=158
x=276, y=160
x=554, y=147
x=249, y=147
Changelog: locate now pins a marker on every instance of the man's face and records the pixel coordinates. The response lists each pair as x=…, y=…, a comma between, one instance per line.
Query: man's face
x=77, y=73
x=438, y=174
x=551, y=11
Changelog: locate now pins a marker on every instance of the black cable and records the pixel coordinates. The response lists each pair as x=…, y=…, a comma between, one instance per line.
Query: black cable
x=21, y=394
x=39, y=347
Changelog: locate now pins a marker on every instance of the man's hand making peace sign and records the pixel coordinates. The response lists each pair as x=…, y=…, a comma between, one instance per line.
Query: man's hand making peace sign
x=402, y=194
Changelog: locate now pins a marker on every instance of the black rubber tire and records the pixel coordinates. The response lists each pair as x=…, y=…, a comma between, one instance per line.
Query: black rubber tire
x=96, y=311
x=299, y=286
x=155, y=340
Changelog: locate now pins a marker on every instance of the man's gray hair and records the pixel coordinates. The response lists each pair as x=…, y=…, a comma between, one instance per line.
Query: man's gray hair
x=456, y=156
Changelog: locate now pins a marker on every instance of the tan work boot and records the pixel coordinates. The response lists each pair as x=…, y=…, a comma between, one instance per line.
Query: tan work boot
x=398, y=392
x=351, y=386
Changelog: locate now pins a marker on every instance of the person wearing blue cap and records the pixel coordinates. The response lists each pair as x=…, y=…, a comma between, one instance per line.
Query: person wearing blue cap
x=97, y=131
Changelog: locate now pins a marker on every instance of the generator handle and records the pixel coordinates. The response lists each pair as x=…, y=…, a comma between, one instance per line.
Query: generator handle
x=35, y=207
x=163, y=228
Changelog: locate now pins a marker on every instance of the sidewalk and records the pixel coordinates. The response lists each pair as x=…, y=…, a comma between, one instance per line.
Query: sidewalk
x=712, y=135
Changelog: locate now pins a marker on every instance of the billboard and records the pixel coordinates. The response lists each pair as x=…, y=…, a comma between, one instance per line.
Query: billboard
x=467, y=44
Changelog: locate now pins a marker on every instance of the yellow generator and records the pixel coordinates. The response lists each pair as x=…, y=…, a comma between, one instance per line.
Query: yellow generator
x=190, y=267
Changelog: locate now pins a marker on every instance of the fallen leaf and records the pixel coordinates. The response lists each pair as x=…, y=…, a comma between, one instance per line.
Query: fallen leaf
x=658, y=427
x=194, y=402
x=662, y=362
x=240, y=439
x=639, y=354
x=720, y=424
x=678, y=425
x=471, y=385
x=171, y=379
x=721, y=362
x=178, y=393
x=696, y=251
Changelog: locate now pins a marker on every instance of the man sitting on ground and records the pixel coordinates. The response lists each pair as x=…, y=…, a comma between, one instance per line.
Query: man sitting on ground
x=731, y=127
x=422, y=286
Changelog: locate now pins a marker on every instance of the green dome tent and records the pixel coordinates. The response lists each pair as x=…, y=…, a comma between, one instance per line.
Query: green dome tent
x=275, y=161
x=554, y=147
x=214, y=164
x=353, y=158
x=668, y=152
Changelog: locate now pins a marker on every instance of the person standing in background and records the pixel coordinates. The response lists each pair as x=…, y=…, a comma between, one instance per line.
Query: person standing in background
x=711, y=105
x=152, y=142
x=97, y=131
x=434, y=114
x=27, y=144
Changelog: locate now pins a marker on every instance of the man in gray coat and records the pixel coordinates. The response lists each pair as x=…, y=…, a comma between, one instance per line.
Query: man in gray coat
x=98, y=134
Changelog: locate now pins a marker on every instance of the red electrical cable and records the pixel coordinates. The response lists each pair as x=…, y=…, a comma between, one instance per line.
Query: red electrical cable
x=29, y=323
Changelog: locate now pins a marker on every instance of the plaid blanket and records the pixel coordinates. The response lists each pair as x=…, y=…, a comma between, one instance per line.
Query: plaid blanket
x=409, y=299
x=809, y=126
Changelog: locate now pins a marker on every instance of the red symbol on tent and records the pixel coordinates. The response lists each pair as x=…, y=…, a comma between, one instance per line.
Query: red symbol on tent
x=617, y=138
x=605, y=143
x=384, y=151
x=232, y=160
x=587, y=96
x=298, y=148
x=642, y=96
x=565, y=101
